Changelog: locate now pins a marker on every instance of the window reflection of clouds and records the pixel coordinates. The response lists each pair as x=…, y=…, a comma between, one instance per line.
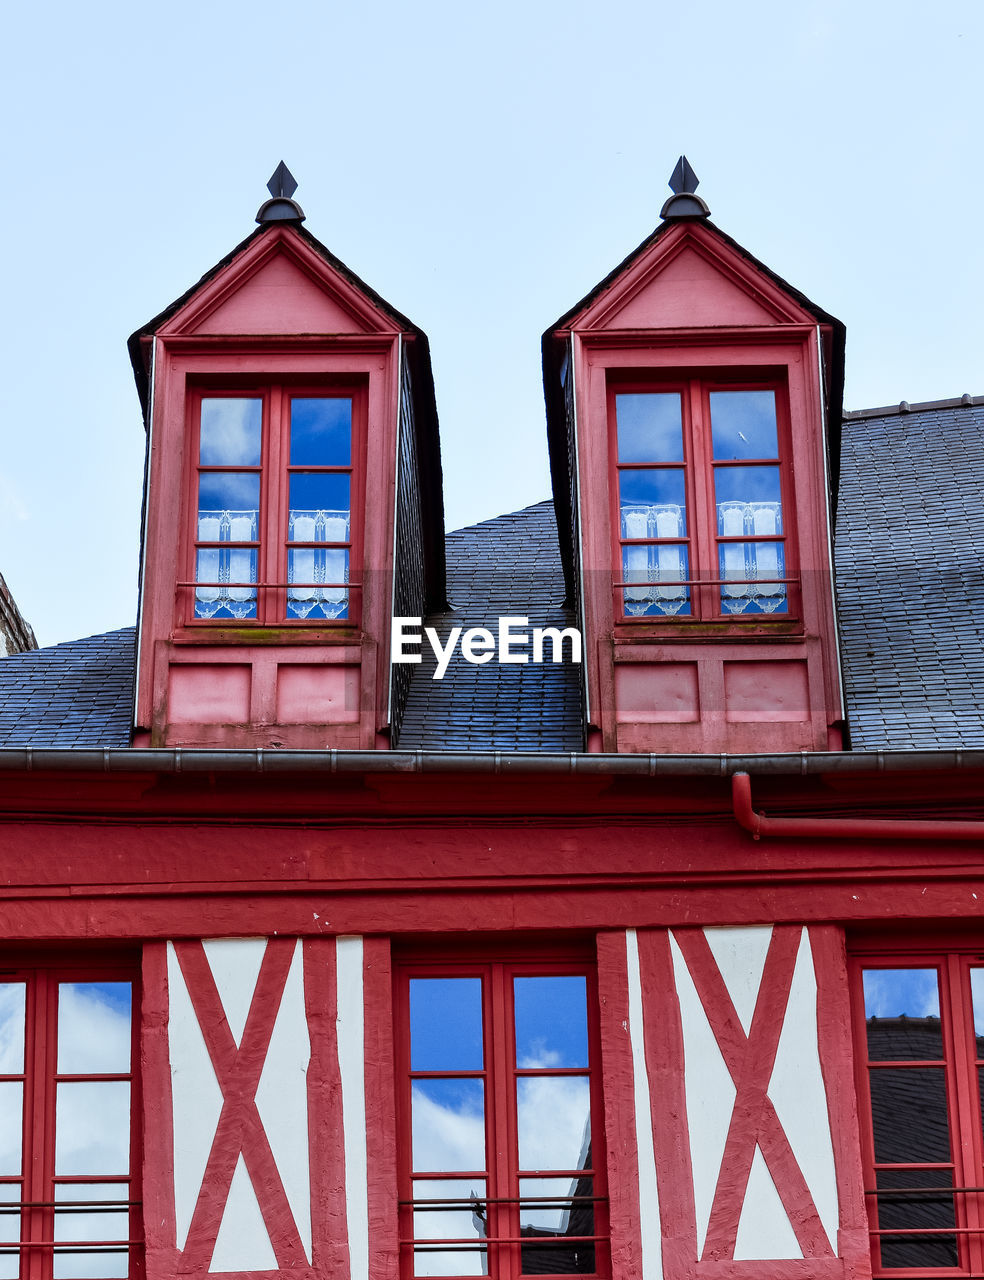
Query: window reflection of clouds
x=553, y=1116
x=11, y=1028
x=448, y=1125
x=649, y=427
x=890, y=993
x=231, y=432
x=91, y=1226
x=11, y=1130
x=551, y=1021
x=743, y=424
x=450, y=1224
x=92, y=1127
x=93, y=1028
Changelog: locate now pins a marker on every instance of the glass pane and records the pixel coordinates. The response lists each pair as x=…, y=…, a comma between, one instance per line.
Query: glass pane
x=319, y=496
x=743, y=424
x=553, y=1122
x=920, y=1206
x=446, y=1024
x=653, y=503
x=93, y=1028
x=225, y=566
x=551, y=1021
x=756, y=485
x=902, y=1009
x=11, y=1028
x=750, y=570
x=93, y=1225
x=320, y=431
x=662, y=563
x=553, y=1221
x=228, y=506
x=448, y=1125
x=977, y=992
x=92, y=1127
x=231, y=432
x=649, y=427
x=11, y=1127
x=909, y=1116
x=469, y=1222
x=10, y=1228
x=311, y=565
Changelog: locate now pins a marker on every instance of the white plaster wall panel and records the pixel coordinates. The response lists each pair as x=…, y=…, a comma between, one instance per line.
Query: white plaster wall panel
x=281, y=1098
x=195, y=1094
x=235, y=965
x=764, y=1229
x=243, y=1243
x=799, y=1096
x=649, y=1219
x=710, y=1093
x=740, y=956
x=350, y=1030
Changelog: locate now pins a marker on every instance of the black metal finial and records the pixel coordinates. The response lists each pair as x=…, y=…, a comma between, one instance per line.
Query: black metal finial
x=281, y=208
x=684, y=203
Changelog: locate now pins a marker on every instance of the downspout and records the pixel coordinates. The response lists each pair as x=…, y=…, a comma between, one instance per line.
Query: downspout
x=844, y=828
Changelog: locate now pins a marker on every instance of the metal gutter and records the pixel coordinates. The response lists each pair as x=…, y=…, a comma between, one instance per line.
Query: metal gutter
x=846, y=828
x=174, y=760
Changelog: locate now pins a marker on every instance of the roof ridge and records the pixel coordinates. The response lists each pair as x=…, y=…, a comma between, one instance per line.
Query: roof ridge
x=886, y=411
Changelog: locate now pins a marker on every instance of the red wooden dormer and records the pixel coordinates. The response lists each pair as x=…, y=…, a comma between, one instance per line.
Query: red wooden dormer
x=292, y=459
x=694, y=404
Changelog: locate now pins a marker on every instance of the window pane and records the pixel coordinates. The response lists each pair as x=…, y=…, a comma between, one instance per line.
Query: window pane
x=320, y=431
x=551, y=1021
x=902, y=1010
x=759, y=564
x=10, y=1230
x=758, y=486
x=663, y=563
x=225, y=566
x=446, y=1024
x=311, y=565
x=11, y=1028
x=553, y=1122
x=470, y=1222
x=228, y=506
x=653, y=503
x=92, y=1127
x=977, y=992
x=11, y=1127
x=649, y=427
x=448, y=1125
x=93, y=1028
x=323, y=494
x=743, y=424
x=231, y=432
x=916, y=1208
x=94, y=1225
x=552, y=1222
x=909, y=1115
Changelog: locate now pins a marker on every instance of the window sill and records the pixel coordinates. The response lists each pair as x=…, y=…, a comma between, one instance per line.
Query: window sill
x=686, y=631
x=259, y=633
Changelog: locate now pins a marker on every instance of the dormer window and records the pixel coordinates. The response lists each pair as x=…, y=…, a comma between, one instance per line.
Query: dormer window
x=699, y=500
x=274, y=530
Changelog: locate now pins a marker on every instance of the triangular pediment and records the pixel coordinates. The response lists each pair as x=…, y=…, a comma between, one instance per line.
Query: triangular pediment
x=687, y=279
x=278, y=286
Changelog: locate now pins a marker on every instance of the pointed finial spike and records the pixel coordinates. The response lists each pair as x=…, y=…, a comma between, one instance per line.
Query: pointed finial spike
x=683, y=179
x=282, y=182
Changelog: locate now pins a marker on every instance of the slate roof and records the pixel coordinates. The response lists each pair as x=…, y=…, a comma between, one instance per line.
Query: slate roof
x=509, y=566
x=78, y=694
x=910, y=574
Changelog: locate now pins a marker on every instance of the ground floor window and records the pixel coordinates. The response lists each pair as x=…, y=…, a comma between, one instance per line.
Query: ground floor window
x=920, y=1053
x=69, y=1203
x=502, y=1171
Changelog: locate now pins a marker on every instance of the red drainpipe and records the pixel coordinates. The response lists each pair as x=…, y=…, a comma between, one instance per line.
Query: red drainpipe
x=842, y=828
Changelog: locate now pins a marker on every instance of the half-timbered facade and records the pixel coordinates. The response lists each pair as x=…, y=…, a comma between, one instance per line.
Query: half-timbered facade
x=661, y=966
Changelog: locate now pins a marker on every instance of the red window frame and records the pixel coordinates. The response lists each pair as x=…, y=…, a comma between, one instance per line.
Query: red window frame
x=502, y=1173
x=37, y=1244
x=703, y=539
x=962, y=1067
x=273, y=544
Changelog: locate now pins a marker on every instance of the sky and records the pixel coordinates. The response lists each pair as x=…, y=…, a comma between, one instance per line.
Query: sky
x=480, y=166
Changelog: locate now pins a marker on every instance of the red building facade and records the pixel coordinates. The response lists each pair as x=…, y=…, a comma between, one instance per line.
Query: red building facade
x=288, y=989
